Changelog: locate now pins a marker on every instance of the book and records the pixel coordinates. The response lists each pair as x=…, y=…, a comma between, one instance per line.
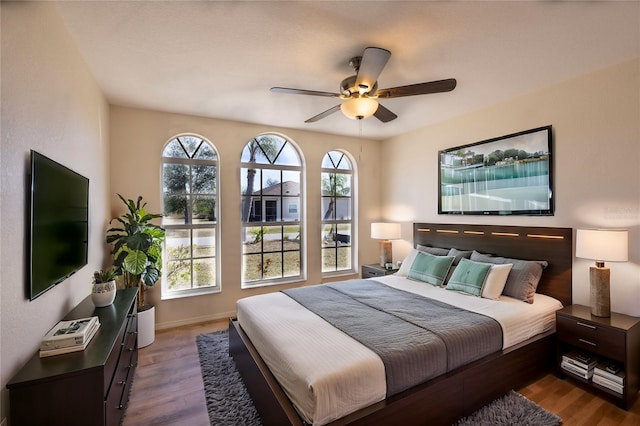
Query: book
x=610, y=371
x=616, y=387
x=576, y=370
x=68, y=349
x=71, y=341
x=581, y=359
x=68, y=333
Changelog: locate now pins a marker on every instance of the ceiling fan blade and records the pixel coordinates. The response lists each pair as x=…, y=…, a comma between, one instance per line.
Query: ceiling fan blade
x=418, y=89
x=383, y=114
x=373, y=61
x=323, y=114
x=304, y=92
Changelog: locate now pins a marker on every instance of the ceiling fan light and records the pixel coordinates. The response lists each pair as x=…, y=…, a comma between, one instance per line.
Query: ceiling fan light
x=358, y=108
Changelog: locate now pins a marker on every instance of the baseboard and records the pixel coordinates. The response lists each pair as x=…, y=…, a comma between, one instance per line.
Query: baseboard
x=191, y=321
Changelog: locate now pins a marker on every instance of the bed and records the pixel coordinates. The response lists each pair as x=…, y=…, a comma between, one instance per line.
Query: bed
x=441, y=397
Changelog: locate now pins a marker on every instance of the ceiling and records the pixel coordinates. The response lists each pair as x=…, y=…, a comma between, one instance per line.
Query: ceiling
x=219, y=58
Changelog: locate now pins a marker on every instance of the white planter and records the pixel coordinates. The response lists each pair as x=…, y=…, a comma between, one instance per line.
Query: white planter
x=103, y=294
x=146, y=327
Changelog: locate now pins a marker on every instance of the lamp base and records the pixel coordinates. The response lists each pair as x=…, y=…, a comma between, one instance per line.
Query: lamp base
x=385, y=252
x=600, y=291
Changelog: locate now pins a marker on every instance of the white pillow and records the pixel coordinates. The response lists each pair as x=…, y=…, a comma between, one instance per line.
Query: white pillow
x=496, y=279
x=406, y=264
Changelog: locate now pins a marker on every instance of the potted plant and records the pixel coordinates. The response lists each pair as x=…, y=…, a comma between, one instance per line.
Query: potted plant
x=103, y=291
x=137, y=257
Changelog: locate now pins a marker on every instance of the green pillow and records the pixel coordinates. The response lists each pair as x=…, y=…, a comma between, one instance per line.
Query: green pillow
x=429, y=268
x=469, y=277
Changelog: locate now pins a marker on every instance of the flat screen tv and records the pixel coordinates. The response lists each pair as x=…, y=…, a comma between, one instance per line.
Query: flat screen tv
x=58, y=224
x=507, y=175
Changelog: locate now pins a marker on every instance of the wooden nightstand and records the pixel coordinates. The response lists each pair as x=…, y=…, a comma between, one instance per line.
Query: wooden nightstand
x=374, y=270
x=615, y=339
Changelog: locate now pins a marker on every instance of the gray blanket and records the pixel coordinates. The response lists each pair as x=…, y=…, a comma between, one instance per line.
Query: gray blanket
x=417, y=338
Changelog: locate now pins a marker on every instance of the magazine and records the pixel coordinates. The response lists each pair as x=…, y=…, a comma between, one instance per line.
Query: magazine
x=64, y=350
x=69, y=333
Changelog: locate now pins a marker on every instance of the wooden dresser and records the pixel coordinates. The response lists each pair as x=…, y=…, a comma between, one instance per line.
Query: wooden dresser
x=82, y=388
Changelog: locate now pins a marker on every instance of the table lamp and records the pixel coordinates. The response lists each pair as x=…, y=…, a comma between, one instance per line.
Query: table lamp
x=385, y=231
x=601, y=245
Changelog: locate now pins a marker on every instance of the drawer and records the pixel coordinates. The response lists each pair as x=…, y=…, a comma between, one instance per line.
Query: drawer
x=592, y=337
x=372, y=272
x=112, y=362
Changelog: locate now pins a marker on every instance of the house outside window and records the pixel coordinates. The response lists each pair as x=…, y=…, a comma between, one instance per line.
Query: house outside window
x=338, y=223
x=271, y=211
x=190, y=217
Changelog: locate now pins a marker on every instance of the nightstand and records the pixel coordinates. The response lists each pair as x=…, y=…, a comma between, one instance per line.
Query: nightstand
x=375, y=270
x=616, y=339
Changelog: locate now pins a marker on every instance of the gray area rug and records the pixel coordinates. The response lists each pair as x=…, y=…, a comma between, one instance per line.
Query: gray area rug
x=229, y=404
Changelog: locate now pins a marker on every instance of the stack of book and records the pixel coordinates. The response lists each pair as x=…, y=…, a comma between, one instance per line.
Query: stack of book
x=581, y=364
x=69, y=336
x=610, y=376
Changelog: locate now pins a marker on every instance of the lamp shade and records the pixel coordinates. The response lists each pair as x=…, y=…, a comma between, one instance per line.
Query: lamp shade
x=359, y=107
x=385, y=231
x=602, y=245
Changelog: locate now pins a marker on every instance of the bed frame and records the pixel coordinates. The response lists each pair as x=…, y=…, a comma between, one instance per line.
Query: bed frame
x=449, y=397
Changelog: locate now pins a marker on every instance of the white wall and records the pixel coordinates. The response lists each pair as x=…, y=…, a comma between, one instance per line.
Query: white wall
x=50, y=103
x=137, y=139
x=596, y=130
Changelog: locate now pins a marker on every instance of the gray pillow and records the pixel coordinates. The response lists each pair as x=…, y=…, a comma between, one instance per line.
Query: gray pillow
x=469, y=277
x=429, y=268
x=523, y=279
x=459, y=254
x=436, y=251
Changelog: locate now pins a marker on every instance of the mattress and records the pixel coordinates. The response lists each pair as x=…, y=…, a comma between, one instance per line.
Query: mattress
x=327, y=374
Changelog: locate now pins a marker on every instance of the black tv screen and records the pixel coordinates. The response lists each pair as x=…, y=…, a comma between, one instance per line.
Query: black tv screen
x=59, y=223
x=507, y=175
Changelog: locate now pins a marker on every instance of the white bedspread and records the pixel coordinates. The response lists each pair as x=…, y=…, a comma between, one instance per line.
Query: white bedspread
x=328, y=375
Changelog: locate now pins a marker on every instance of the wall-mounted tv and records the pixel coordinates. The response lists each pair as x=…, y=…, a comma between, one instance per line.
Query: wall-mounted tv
x=507, y=175
x=58, y=224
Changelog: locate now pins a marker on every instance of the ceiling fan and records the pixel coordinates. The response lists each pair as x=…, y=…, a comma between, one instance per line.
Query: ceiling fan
x=360, y=91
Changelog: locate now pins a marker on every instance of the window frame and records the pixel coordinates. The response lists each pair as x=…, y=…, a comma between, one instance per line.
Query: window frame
x=166, y=292
x=353, y=222
x=300, y=223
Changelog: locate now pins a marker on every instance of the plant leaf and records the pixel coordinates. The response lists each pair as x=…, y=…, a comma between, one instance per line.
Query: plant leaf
x=135, y=262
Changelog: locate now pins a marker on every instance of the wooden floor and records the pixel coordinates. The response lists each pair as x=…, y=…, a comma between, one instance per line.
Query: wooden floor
x=168, y=389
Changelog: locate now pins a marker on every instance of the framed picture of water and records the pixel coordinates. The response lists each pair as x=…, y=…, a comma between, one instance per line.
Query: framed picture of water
x=508, y=175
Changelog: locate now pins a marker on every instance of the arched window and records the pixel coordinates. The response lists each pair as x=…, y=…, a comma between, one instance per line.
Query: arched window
x=190, y=217
x=338, y=236
x=271, y=211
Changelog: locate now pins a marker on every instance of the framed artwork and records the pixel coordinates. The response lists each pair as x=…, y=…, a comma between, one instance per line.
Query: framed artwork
x=507, y=175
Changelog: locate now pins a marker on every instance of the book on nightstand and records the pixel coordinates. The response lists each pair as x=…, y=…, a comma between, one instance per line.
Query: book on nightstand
x=576, y=370
x=583, y=360
x=608, y=384
x=609, y=375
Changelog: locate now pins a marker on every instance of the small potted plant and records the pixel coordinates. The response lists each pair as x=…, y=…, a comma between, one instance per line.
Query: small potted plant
x=103, y=291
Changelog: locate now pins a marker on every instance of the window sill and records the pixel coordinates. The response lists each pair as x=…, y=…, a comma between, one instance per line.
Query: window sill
x=258, y=284
x=179, y=294
x=336, y=274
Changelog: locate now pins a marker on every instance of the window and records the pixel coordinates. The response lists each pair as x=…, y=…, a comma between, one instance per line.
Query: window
x=271, y=185
x=190, y=217
x=338, y=242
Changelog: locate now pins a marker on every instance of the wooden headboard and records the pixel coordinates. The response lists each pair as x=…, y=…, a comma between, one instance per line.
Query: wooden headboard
x=555, y=245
